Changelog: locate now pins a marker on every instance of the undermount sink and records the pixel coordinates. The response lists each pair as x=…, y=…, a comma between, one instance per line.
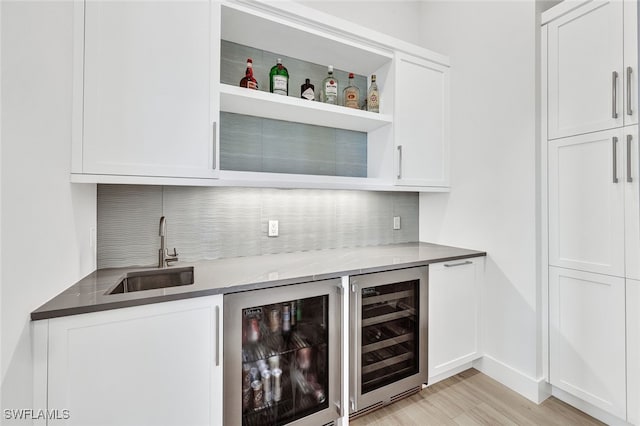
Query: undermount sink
x=154, y=279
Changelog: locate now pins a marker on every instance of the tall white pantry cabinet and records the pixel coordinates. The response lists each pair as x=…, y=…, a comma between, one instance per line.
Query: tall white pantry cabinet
x=592, y=221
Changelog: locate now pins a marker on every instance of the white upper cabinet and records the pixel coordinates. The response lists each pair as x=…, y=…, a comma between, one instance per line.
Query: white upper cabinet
x=421, y=122
x=586, y=202
x=145, y=102
x=631, y=79
x=585, y=69
x=153, y=86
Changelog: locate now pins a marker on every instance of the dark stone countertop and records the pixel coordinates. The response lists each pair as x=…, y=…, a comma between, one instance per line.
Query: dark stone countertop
x=238, y=274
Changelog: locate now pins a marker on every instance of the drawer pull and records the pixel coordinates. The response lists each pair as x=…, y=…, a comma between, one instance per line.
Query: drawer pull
x=453, y=265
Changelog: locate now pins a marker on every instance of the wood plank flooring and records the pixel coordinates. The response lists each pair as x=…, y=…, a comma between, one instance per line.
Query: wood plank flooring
x=472, y=398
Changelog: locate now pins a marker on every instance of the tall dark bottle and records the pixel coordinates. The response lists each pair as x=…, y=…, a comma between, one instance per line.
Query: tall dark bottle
x=307, y=90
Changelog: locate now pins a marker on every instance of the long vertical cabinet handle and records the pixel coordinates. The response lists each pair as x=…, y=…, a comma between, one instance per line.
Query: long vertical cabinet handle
x=399, y=161
x=614, y=94
x=614, y=141
x=629, y=109
x=629, y=178
x=213, y=142
x=217, y=336
x=353, y=355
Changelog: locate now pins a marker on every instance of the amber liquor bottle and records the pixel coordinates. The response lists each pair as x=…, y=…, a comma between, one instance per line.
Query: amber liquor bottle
x=248, y=80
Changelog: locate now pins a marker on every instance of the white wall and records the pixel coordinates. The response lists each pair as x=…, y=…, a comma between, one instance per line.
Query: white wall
x=397, y=18
x=45, y=220
x=492, y=205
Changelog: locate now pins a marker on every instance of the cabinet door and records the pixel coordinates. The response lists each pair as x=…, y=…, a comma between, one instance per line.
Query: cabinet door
x=421, y=122
x=587, y=337
x=149, y=107
x=633, y=351
x=630, y=62
x=454, y=317
x=585, y=50
x=586, y=202
x=156, y=364
x=632, y=202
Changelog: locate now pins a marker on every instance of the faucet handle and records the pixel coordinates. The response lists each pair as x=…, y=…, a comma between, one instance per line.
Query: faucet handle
x=174, y=254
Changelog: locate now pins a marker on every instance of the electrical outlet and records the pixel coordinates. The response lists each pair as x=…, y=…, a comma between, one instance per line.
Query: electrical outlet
x=273, y=228
x=396, y=222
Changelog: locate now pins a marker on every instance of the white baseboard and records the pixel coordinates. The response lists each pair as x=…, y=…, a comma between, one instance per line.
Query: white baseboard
x=536, y=390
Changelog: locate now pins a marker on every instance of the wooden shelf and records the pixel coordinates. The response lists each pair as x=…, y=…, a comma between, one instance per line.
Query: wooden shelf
x=257, y=103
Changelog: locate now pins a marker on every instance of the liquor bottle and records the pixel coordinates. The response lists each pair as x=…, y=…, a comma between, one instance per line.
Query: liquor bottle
x=307, y=90
x=330, y=88
x=248, y=80
x=373, y=97
x=351, y=94
x=279, y=79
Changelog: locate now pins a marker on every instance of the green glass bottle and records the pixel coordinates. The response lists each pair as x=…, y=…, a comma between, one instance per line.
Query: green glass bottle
x=279, y=79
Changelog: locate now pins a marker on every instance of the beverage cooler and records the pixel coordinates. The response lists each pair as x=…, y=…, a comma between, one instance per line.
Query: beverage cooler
x=282, y=355
x=389, y=337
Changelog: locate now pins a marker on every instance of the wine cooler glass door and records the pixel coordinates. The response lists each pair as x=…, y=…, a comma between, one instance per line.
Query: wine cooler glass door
x=390, y=318
x=284, y=357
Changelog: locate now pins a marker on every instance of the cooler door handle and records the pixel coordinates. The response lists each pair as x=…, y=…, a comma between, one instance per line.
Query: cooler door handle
x=217, y=336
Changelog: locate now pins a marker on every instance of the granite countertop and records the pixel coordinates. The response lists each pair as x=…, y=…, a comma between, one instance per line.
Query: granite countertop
x=238, y=274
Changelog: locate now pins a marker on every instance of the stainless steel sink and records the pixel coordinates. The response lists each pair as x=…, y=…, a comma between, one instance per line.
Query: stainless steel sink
x=154, y=279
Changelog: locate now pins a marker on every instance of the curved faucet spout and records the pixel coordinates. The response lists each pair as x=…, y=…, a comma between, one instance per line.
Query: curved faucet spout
x=163, y=254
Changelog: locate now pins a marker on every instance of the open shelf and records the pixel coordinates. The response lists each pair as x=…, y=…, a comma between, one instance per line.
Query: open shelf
x=257, y=103
x=300, y=39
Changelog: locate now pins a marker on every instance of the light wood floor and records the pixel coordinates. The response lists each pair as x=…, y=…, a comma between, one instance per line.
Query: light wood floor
x=472, y=398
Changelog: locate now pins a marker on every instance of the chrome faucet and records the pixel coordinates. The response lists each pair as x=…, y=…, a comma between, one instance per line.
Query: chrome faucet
x=163, y=254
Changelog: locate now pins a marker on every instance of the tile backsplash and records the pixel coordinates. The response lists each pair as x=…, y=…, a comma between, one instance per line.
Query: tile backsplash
x=211, y=222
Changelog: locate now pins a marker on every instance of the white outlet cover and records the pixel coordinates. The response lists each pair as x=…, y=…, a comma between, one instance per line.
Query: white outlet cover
x=273, y=228
x=396, y=222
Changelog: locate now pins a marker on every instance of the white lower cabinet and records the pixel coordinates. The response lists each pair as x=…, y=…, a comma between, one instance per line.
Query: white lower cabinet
x=633, y=352
x=454, y=316
x=587, y=337
x=156, y=364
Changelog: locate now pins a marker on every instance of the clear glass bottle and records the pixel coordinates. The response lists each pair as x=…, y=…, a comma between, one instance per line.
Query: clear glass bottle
x=330, y=88
x=307, y=90
x=373, y=96
x=248, y=80
x=351, y=94
x=279, y=79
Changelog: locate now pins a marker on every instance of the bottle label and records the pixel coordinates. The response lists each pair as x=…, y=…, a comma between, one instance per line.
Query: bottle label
x=373, y=102
x=331, y=88
x=351, y=99
x=308, y=94
x=252, y=85
x=280, y=85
